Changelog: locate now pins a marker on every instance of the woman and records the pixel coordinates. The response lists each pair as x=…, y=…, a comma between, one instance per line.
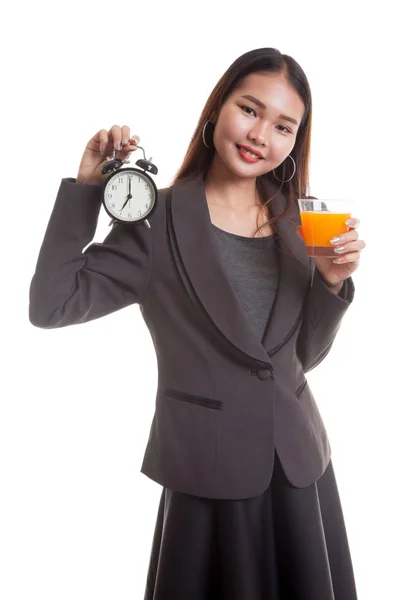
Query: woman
x=238, y=314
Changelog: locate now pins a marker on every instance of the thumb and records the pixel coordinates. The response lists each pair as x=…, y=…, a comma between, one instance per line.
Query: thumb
x=299, y=231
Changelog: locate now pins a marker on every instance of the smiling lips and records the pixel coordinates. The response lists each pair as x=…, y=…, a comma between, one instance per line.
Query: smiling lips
x=249, y=154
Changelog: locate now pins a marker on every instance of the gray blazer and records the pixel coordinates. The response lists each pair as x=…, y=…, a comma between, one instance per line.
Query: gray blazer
x=225, y=400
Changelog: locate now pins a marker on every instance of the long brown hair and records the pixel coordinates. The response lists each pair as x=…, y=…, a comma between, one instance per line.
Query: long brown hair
x=198, y=158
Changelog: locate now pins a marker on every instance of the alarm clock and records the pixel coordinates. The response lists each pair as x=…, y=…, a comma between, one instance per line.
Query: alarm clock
x=129, y=194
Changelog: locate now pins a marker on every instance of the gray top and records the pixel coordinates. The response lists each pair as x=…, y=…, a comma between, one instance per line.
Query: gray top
x=252, y=267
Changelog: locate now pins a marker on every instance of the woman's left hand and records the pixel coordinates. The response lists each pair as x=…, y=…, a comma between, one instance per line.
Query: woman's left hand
x=348, y=248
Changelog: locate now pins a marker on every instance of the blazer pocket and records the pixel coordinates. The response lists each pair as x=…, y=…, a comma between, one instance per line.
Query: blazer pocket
x=200, y=400
x=301, y=389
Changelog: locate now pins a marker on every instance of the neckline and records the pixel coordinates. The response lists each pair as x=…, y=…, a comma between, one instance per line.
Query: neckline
x=245, y=237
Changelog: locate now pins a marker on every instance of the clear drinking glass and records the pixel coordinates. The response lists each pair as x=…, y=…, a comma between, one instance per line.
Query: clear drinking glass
x=321, y=221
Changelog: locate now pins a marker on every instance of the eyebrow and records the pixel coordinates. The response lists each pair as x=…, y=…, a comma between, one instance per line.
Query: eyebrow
x=261, y=105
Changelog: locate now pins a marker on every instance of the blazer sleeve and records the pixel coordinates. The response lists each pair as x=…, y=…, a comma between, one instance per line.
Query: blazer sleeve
x=323, y=313
x=70, y=286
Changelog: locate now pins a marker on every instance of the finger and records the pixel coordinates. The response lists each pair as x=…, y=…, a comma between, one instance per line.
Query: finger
x=127, y=138
x=125, y=132
x=103, y=138
x=348, y=258
x=129, y=147
x=352, y=223
x=344, y=238
x=134, y=141
x=129, y=142
x=108, y=144
x=110, y=140
x=116, y=137
x=358, y=245
x=299, y=231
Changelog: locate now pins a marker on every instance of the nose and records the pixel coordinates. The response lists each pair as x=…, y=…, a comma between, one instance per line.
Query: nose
x=259, y=134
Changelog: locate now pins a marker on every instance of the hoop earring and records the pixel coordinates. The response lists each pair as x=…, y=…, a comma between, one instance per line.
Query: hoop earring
x=204, y=140
x=286, y=180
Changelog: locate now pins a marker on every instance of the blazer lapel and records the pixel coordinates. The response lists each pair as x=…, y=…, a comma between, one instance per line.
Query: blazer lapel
x=295, y=276
x=198, y=251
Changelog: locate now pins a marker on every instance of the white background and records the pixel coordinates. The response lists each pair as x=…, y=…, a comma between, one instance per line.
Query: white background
x=76, y=515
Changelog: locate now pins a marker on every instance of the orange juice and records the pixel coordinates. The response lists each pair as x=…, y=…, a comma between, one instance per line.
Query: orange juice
x=319, y=228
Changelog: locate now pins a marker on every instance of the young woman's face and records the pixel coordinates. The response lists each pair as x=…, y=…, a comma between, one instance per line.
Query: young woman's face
x=257, y=122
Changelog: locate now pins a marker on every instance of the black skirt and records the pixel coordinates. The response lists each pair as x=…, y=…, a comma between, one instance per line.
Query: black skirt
x=287, y=544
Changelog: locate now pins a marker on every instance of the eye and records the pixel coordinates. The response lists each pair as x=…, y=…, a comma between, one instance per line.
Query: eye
x=284, y=127
x=248, y=108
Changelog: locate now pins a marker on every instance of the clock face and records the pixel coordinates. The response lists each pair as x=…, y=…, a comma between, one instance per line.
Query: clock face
x=129, y=195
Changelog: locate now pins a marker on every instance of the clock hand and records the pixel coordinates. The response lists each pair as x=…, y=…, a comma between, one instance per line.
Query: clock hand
x=129, y=196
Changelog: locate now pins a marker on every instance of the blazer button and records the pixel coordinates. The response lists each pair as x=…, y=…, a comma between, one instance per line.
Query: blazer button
x=262, y=374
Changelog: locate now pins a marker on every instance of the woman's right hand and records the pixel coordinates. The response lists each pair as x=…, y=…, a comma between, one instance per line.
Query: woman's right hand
x=99, y=147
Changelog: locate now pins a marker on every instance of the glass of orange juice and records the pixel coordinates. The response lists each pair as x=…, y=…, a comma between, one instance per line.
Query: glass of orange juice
x=321, y=221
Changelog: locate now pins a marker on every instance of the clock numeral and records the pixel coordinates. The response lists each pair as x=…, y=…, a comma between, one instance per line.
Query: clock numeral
x=130, y=215
x=113, y=187
x=120, y=180
x=108, y=196
x=113, y=205
x=140, y=212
